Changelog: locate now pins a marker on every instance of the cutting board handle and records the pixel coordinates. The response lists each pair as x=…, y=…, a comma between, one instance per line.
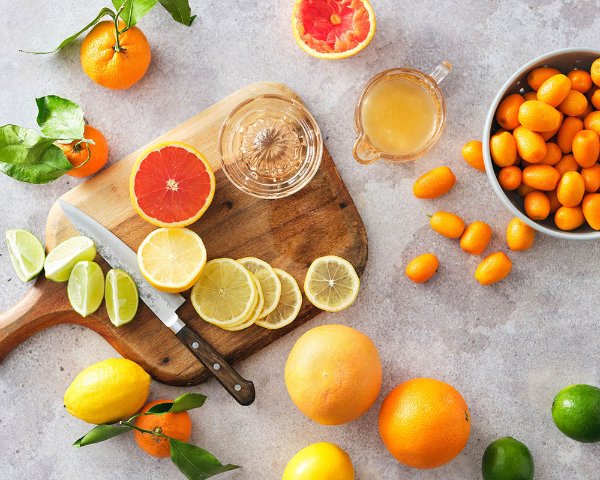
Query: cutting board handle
x=45, y=305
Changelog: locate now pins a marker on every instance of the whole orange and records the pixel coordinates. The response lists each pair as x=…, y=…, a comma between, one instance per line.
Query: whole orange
x=333, y=374
x=77, y=153
x=117, y=70
x=175, y=425
x=424, y=423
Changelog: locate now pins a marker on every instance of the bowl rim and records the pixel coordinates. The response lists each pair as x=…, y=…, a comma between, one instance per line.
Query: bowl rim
x=487, y=159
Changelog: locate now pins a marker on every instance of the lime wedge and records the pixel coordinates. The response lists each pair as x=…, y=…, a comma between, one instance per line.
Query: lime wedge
x=121, y=297
x=26, y=253
x=61, y=260
x=86, y=287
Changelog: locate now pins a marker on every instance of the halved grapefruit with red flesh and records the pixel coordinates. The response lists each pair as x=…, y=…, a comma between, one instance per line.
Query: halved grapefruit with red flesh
x=333, y=29
x=171, y=185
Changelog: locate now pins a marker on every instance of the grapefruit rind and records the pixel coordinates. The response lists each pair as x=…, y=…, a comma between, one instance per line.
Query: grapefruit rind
x=155, y=221
x=298, y=31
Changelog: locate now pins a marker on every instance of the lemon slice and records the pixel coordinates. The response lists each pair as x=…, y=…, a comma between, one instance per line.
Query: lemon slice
x=254, y=316
x=121, y=297
x=26, y=253
x=61, y=260
x=86, y=287
x=289, y=304
x=225, y=295
x=269, y=282
x=331, y=283
x=172, y=259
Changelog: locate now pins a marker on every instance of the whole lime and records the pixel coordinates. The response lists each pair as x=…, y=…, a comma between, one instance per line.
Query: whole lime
x=576, y=412
x=507, y=459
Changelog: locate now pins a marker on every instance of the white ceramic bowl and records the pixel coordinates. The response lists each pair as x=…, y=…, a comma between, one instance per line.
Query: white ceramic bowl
x=564, y=60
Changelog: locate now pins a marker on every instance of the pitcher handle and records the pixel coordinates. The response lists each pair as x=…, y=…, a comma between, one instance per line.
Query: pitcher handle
x=363, y=152
x=441, y=71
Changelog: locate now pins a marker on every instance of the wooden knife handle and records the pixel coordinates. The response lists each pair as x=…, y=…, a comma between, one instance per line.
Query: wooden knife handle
x=239, y=388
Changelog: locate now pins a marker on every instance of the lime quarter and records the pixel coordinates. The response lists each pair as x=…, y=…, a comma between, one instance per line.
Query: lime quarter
x=61, y=260
x=121, y=297
x=86, y=287
x=26, y=253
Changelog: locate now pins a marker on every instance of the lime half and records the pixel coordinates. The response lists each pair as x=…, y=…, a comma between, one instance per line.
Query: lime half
x=26, y=253
x=61, y=260
x=86, y=287
x=121, y=297
x=331, y=283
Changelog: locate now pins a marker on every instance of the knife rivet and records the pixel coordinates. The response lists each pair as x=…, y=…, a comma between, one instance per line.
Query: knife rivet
x=216, y=366
x=237, y=388
x=195, y=345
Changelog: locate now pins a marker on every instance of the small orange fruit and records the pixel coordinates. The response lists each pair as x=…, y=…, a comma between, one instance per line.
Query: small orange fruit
x=541, y=177
x=591, y=178
x=580, y=80
x=591, y=209
x=447, y=224
x=570, y=189
x=531, y=146
x=503, y=149
x=524, y=190
x=554, y=90
x=424, y=423
x=566, y=133
x=537, y=205
x=519, y=235
x=586, y=147
x=117, y=70
x=538, y=76
x=553, y=155
x=510, y=178
x=569, y=218
x=473, y=154
x=592, y=121
x=554, y=202
x=507, y=114
x=589, y=109
x=551, y=133
x=538, y=116
x=175, y=425
x=333, y=374
x=493, y=268
x=434, y=183
x=77, y=153
x=595, y=99
x=574, y=104
x=476, y=238
x=422, y=268
x=567, y=164
x=595, y=72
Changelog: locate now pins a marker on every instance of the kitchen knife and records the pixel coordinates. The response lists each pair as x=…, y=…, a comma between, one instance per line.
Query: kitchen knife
x=164, y=305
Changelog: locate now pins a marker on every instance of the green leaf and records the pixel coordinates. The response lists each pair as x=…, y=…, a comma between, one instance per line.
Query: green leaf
x=196, y=463
x=29, y=157
x=180, y=11
x=101, y=433
x=133, y=10
x=105, y=11
x=60, y=118
x=187, y=401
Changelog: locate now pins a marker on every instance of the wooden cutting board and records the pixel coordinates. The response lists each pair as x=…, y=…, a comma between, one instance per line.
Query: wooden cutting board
x=288, y=233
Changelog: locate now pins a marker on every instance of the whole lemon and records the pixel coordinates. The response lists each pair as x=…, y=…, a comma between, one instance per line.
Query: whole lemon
x=108, y=391
x=323, y=461
x=333, y=374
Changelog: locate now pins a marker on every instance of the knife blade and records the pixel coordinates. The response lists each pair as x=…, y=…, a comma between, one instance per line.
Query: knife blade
x=164, y=305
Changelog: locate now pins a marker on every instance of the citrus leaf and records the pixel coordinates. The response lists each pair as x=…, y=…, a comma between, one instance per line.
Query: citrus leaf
x=180, y=11
x=105, y=11
x=187, y=401
x=133, y=10
x=196, y=463
x=60, y=118
x=101, y=433
x=29, y=157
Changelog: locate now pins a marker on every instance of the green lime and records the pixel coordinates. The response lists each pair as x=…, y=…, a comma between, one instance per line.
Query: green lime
x=121, y=297
x=86, y=287
x=507, y=459
x=64, y=256
x=576, y=412
x=26, y=253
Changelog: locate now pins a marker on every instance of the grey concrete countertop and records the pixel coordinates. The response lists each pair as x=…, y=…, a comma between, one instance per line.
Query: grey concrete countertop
x=508, y=348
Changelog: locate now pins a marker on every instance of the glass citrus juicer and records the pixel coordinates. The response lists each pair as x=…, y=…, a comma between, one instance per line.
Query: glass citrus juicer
x=270, y=146
x=400, y=115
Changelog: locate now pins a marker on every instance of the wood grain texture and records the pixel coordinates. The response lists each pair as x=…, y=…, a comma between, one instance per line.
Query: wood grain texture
x=289, y=233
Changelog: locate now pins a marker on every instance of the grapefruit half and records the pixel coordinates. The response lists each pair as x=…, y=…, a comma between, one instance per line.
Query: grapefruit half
x=171, y=185
x=333, y=29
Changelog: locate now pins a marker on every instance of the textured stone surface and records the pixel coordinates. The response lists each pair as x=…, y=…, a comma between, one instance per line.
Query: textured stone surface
x=507, y=348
